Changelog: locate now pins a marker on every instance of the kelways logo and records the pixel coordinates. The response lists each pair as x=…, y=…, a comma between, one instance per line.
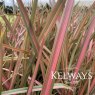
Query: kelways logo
x=70, y=75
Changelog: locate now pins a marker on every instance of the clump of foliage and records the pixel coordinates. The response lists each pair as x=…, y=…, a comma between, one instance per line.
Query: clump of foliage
x=45, y=40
